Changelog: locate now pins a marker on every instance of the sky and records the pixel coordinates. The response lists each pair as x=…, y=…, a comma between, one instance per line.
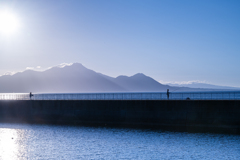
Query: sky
x=168, y=40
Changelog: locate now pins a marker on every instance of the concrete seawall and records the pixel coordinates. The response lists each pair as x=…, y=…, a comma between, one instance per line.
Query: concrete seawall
x=222, y=116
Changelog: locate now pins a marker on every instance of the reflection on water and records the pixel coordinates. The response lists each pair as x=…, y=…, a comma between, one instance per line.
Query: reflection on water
x=63, y=142
x=10, y=143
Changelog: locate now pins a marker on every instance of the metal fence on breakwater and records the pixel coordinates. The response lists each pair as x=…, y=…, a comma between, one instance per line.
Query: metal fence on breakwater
x=225, y=95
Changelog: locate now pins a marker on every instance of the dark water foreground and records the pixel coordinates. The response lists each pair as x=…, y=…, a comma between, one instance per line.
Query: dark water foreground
x=25, y=141
x=220, y=116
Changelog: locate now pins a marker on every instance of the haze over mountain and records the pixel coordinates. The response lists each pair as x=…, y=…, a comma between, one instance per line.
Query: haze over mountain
x=77, y=78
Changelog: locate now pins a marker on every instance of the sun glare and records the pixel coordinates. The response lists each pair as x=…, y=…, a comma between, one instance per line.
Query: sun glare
x=9, y=22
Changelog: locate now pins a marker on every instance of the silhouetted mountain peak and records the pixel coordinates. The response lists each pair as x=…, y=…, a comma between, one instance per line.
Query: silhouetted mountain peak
x=66, y=66
x=73, y=69
x=76, y=65
x=139, y=75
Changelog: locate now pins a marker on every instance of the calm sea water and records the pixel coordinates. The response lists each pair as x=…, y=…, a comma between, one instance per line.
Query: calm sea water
x=19, y=141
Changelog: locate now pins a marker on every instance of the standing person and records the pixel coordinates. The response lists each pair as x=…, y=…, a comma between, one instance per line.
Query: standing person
x=168, y=94
x=30, y=95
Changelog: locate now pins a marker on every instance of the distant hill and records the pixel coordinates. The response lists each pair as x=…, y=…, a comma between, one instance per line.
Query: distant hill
x=77, y=78
x=140, y=82
x=204, y=86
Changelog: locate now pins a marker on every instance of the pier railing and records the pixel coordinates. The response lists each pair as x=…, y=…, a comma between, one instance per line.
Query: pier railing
x=230, y=95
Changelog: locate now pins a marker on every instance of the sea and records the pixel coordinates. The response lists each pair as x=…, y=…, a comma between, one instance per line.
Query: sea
x=50, y=142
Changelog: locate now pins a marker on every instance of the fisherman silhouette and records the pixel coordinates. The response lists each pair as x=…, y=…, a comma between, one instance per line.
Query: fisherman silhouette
x=168, y=94
x=30, y=95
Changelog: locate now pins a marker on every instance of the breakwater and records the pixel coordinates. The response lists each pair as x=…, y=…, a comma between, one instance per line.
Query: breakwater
x=222, y=116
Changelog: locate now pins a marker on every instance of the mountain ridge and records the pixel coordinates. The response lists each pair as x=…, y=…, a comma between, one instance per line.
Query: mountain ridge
x=76, y=78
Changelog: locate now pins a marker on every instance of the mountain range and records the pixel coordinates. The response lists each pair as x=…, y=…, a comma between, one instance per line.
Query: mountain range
x=76, y=79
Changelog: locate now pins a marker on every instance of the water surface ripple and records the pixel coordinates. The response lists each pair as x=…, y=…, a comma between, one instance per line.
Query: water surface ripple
x=18, y=141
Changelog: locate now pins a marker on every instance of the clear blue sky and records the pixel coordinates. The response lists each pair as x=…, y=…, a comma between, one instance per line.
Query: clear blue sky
x=169, y=40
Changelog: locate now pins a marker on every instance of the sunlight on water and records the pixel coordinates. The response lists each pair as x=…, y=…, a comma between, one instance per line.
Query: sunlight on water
x=9, y=146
